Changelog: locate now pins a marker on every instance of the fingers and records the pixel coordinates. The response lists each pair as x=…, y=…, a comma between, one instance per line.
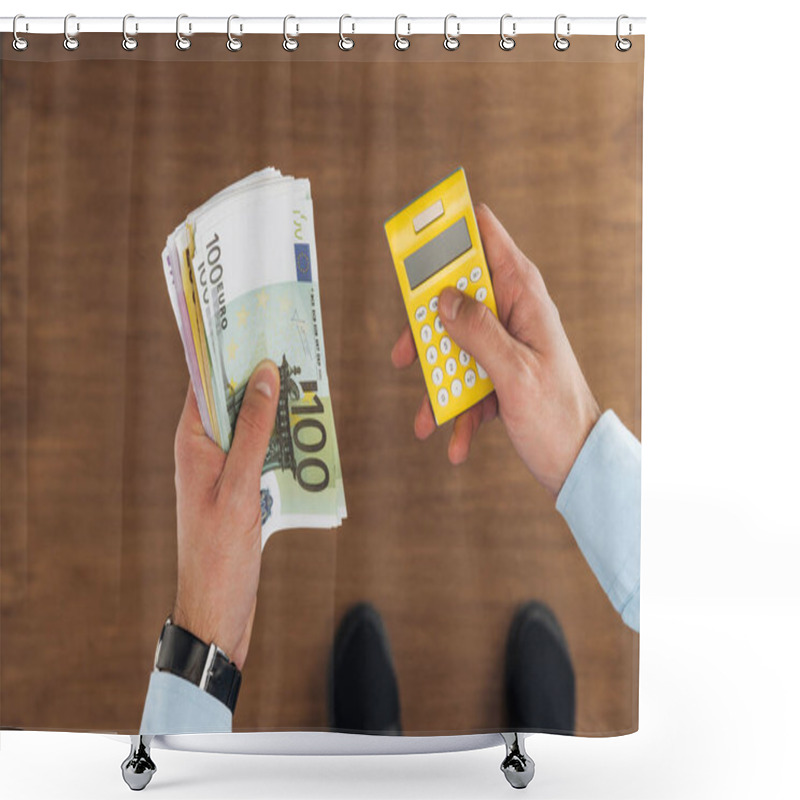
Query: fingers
x=476, y=330
x=254, y=424
x=196, y=456
x=464, y=429
x=404, y=352
x=424, y=421
x=190, y=423
x=466, y=426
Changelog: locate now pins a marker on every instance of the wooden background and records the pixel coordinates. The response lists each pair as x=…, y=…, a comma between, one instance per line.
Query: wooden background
x=103, y=153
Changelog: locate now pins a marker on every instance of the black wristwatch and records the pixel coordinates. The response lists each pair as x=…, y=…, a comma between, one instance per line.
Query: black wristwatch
x=205, y=665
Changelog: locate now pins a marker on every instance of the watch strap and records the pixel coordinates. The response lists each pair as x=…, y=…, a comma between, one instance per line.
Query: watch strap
x=182, y=653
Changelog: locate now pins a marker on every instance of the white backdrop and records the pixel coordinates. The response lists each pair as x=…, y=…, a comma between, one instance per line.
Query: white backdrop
x=721, y=538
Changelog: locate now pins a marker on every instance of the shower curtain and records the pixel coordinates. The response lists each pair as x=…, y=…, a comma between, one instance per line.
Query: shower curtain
x=104, y=152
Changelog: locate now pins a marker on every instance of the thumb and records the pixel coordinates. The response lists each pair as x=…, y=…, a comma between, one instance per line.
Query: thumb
x=476, y=330
x=254, y=423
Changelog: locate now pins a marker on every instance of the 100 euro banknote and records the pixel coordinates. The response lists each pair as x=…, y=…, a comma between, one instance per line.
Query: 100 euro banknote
x=255, y=286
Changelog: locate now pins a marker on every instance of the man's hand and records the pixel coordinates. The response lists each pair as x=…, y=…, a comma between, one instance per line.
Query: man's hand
x=540, y=393
x=219, y=518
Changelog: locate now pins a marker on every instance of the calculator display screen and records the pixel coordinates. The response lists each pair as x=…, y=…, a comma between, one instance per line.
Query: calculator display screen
x=438, y=252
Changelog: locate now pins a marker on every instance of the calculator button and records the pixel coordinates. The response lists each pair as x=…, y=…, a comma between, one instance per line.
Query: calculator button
x=463, y=358
x=432, y=355
x=442, y=397
x=480, y=295
x=426, y=334
x=462, y=284
x=437, y=376
x=445, y=345
x=481, y=371
x=450, y=367
x=438, y=326
x=456, y=388
x=469, y=378
x=475, y=275
x=420, y=313
x=434, y=304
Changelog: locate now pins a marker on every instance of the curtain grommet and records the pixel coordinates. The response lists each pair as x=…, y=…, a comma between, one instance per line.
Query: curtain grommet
x=70, y=41
x=18, y=43
x=623, y=45
x=129, y=42
x=507, y=42
x=290, y=43
x=181, y=42
x=560, y=43
x=401, y=42
x=451, y=42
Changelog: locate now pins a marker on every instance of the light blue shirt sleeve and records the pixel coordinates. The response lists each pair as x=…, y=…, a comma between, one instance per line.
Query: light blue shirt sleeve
x=601, y=501
x=174, y=705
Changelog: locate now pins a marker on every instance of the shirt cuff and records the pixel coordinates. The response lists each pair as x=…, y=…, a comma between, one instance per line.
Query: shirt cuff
x=601, y=502
x=175, y=705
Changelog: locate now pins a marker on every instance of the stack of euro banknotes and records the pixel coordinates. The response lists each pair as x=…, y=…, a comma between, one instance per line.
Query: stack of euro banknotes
x=243, y=280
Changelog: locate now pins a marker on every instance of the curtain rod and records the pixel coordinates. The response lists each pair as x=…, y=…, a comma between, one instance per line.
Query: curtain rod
x=347, y=25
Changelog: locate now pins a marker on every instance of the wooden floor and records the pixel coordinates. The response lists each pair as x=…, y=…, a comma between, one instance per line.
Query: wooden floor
x=103, y=153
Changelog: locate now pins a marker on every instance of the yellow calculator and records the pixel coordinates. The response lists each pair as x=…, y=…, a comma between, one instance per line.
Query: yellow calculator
x=435, y=243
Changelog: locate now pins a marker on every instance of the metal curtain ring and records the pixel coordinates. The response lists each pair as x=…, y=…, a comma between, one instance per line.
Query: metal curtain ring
x=400, y=42
x=181, y=42
x=234, y=43
x=506, y=41
x=345, y=42
x=290, y=43
x=560, y=42
x=70, y=42
x=451, y=42
x=129, y=42
x=623, y=45
x=18, y=42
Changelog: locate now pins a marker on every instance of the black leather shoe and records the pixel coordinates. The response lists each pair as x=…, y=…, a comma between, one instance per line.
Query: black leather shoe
x=540, y=680
x=362, y=686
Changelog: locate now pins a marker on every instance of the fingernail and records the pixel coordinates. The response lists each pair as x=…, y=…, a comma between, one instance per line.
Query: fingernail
x=265, y=383
x=449, y=302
